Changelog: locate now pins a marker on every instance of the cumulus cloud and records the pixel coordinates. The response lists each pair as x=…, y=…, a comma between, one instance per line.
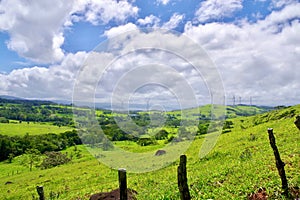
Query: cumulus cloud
x=150, y=20
x=140, y=66
x=163, y=49
x=97, y=12
x=34, y=34
x=282, y=3
x=174, y=21
x=217, y=9
x=256, y=59
x=54, y=82
x=115, y=31
x=277, y=20
x=36, y=28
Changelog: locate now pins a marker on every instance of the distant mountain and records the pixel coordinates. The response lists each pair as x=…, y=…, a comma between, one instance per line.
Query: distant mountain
x=17, y=100
x=10, y=97
x=62, y=102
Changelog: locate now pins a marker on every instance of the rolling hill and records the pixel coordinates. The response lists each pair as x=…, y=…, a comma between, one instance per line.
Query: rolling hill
x=241, y=162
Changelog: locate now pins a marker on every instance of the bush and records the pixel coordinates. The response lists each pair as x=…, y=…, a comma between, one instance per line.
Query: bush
x=202, y=129
x=3, y=120
x=146, y=141
x=228, y=125
x=162, y=134
x=54, y=159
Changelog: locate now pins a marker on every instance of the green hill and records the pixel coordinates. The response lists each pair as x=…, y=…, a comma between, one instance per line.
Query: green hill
x=241, y=162
x=220, y=110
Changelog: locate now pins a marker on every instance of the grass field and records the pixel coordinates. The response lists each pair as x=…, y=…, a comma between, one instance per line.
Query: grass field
x=31, y=128
x=220, y=110
x=241, y=162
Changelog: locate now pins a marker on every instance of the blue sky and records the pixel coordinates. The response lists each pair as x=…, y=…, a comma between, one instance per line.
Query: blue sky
x=244, y=39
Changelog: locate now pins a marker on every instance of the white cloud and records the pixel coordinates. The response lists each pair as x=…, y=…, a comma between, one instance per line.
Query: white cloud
x=282, y=3
x=57, y=81
x=153, y=21
x=164, y=2
x=35, y=28
x=144, y=64
x=279, y=19
x=217, y=9
x=174, y=21
x=103, y=11
x=150, y=20
x=256, y=59
x=54, y=82
x=119, y=30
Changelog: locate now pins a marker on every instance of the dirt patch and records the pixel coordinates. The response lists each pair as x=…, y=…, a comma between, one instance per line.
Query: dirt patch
x=114, y=195
x=259, y=195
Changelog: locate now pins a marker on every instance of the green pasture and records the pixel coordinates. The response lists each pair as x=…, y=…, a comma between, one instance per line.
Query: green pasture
x=16, y=128
x=220, y=110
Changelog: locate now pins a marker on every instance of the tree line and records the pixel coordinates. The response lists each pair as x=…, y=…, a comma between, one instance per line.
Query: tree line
x=11, y=146
x=35, y=111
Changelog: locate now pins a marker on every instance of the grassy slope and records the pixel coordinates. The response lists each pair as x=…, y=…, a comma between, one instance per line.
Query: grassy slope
x=238, y=165
x=31, y=128
x=231, y=111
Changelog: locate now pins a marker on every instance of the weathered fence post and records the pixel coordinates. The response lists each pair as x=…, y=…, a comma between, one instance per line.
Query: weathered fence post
x=40, y=191
x=182, y=179
x=279, y=164
x=297, y=121
x=122, y=184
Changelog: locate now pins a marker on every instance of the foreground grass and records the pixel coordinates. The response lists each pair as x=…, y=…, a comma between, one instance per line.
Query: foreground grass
x=31, y=128
x=241, y=162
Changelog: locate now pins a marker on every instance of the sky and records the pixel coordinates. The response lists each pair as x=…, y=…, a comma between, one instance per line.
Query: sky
x=55, y=50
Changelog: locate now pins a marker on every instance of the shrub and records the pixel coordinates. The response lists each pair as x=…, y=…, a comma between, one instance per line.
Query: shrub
x=162, y=134
x=54, y=159
x=228, y=125
x=202, y=129
x=3, y=120
x=145, y=141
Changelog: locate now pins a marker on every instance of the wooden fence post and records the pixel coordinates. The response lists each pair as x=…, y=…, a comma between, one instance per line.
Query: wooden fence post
x=40, y=191
x=182, y=179
x=122, y=184
x=279, y=164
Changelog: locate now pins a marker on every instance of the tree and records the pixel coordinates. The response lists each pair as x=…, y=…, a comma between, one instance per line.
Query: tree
x=145, y=141
x=31, y=158
x=227, y=125
x=45, y=112
x=162, y=134
x=202, y=128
